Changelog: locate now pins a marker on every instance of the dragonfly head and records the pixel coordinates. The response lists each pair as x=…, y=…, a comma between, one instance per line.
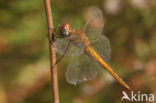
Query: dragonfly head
x=64, y=29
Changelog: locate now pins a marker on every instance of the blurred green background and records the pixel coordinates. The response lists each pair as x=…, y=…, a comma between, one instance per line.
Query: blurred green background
x=130, y=26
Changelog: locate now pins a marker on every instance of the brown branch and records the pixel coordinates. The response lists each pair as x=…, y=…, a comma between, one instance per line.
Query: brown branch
x=55, y=94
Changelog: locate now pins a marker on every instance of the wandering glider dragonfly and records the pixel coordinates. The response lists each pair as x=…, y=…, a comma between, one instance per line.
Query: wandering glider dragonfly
x=90, y=48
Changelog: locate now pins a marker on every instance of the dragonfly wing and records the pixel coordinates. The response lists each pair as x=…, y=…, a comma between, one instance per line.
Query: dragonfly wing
x=102, y=47
x=82, y=69
x=94, y=27
x=65, y=47
x=93, y=30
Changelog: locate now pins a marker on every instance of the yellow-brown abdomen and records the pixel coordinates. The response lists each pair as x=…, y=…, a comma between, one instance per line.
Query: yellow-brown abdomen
x=91, y=52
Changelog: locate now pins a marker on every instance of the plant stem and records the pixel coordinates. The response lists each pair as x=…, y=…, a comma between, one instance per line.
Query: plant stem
x=55, y=94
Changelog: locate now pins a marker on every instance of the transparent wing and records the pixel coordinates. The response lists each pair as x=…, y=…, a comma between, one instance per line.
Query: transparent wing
x=94, y=27
x=85, y=68
x=103, y=47
x=65, y=47
x=82, y=69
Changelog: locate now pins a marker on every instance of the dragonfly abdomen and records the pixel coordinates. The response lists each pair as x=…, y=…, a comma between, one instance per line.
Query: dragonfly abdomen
x=92, y=53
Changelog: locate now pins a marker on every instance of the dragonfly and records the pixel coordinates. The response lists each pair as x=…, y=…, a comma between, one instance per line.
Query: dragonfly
x=91, y=49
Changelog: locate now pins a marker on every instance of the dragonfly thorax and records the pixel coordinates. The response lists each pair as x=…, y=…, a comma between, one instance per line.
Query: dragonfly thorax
x=78, y=38
x=64, y=29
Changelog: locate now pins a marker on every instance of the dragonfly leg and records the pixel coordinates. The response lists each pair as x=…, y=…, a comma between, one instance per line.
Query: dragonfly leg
x=63, y=54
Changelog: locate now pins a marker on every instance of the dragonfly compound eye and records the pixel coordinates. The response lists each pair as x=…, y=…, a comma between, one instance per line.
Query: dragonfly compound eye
x=64, y=29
